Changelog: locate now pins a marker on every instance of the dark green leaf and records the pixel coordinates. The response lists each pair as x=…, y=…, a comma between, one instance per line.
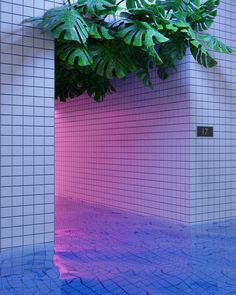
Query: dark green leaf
x=98, y=31
x=74, y=53
x=110, y=60
x=201, y=55
x=178, y=5
x=73, y=81
x=162, y=73
x=97, y=7
x=203, y=17
x=154, y=56
x=139, y=33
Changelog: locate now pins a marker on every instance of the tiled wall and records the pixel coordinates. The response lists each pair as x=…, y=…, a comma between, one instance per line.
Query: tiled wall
x=138, y=150
x=130, y=151
x=27, y=127
x=213, y=103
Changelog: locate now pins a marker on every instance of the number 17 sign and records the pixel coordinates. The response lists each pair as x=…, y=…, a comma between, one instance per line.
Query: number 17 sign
x=204, y=131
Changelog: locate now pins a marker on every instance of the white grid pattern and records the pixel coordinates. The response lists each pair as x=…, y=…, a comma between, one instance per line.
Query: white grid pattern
x=27, y=127
x=130, y=151
x=213, y=161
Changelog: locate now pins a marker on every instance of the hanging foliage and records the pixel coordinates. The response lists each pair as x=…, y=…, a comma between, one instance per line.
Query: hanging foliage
x=94, y=45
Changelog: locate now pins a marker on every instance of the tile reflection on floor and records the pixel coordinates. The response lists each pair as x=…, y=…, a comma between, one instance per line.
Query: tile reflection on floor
x=106, y=251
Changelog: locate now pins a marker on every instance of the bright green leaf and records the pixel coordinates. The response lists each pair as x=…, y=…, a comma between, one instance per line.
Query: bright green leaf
x=214, y=44
x=65, y=23
x=139, y=33
x=130, y=4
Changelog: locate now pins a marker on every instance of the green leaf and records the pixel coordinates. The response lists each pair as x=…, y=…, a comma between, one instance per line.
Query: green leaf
x=162, y=73
x=203, y=17
x=201, y=55
x=148, y=35
x=74, y=53
x=181, y=24
x=99, y=32
x=64, y=23
x=144, y=75
x=154, y=55
x=72, y=81
x=130, y=4
x=111, y=60
x=138, y=33
x=214, y=44
x=178, y=5
x=143, y=14
x=96, y=7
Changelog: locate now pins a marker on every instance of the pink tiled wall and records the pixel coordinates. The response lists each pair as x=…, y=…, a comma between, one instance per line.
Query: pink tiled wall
x=130, y=151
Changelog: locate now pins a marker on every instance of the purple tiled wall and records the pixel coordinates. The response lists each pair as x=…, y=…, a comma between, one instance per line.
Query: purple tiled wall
x=130, y=151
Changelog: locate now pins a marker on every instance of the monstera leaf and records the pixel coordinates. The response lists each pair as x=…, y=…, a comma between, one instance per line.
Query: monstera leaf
x=212, y=43
x=97, y=86
x=98, y=31
x=169, y=53
x=179, y=5
x=203, y=17
x=74, y=53
x=97, y=7
x=147, y=35
x=72, y=81
x=138, y=33
x=64, y=23
x=130, y=4
x=111, y=60
x=201, y=55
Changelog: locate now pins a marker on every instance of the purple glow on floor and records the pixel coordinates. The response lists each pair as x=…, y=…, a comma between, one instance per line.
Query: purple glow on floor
x=107, y=243
x=104, y=251
x=131, y=254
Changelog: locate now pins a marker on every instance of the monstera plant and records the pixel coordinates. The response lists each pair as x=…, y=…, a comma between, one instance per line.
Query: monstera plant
x=101, y=40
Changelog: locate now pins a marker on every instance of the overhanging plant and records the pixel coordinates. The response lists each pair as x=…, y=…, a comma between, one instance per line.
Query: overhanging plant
x=95, y=46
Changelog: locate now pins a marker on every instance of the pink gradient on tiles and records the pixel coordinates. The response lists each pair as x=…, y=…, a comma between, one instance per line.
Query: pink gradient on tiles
x=128, y=152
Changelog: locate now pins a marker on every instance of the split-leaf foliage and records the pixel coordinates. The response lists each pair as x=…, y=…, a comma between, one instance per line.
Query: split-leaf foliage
x=101, y=40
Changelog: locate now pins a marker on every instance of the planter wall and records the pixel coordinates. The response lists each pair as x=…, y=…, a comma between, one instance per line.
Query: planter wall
x=138, y=150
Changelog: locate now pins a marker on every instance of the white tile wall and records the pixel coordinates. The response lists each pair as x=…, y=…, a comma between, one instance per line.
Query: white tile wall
x=27, y=127
x=213, y=103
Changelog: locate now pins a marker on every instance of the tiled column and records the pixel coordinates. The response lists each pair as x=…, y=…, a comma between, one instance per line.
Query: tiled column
x=27, y=127
x=213, y=103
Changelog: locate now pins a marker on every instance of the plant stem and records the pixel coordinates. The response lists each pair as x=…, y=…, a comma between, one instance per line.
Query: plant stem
x=120, y=2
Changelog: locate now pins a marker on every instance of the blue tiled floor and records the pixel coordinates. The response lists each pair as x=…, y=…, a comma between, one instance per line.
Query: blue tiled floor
x=103, y=251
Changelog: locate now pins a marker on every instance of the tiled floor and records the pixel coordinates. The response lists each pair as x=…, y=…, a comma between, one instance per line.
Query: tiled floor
x=104, y=251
